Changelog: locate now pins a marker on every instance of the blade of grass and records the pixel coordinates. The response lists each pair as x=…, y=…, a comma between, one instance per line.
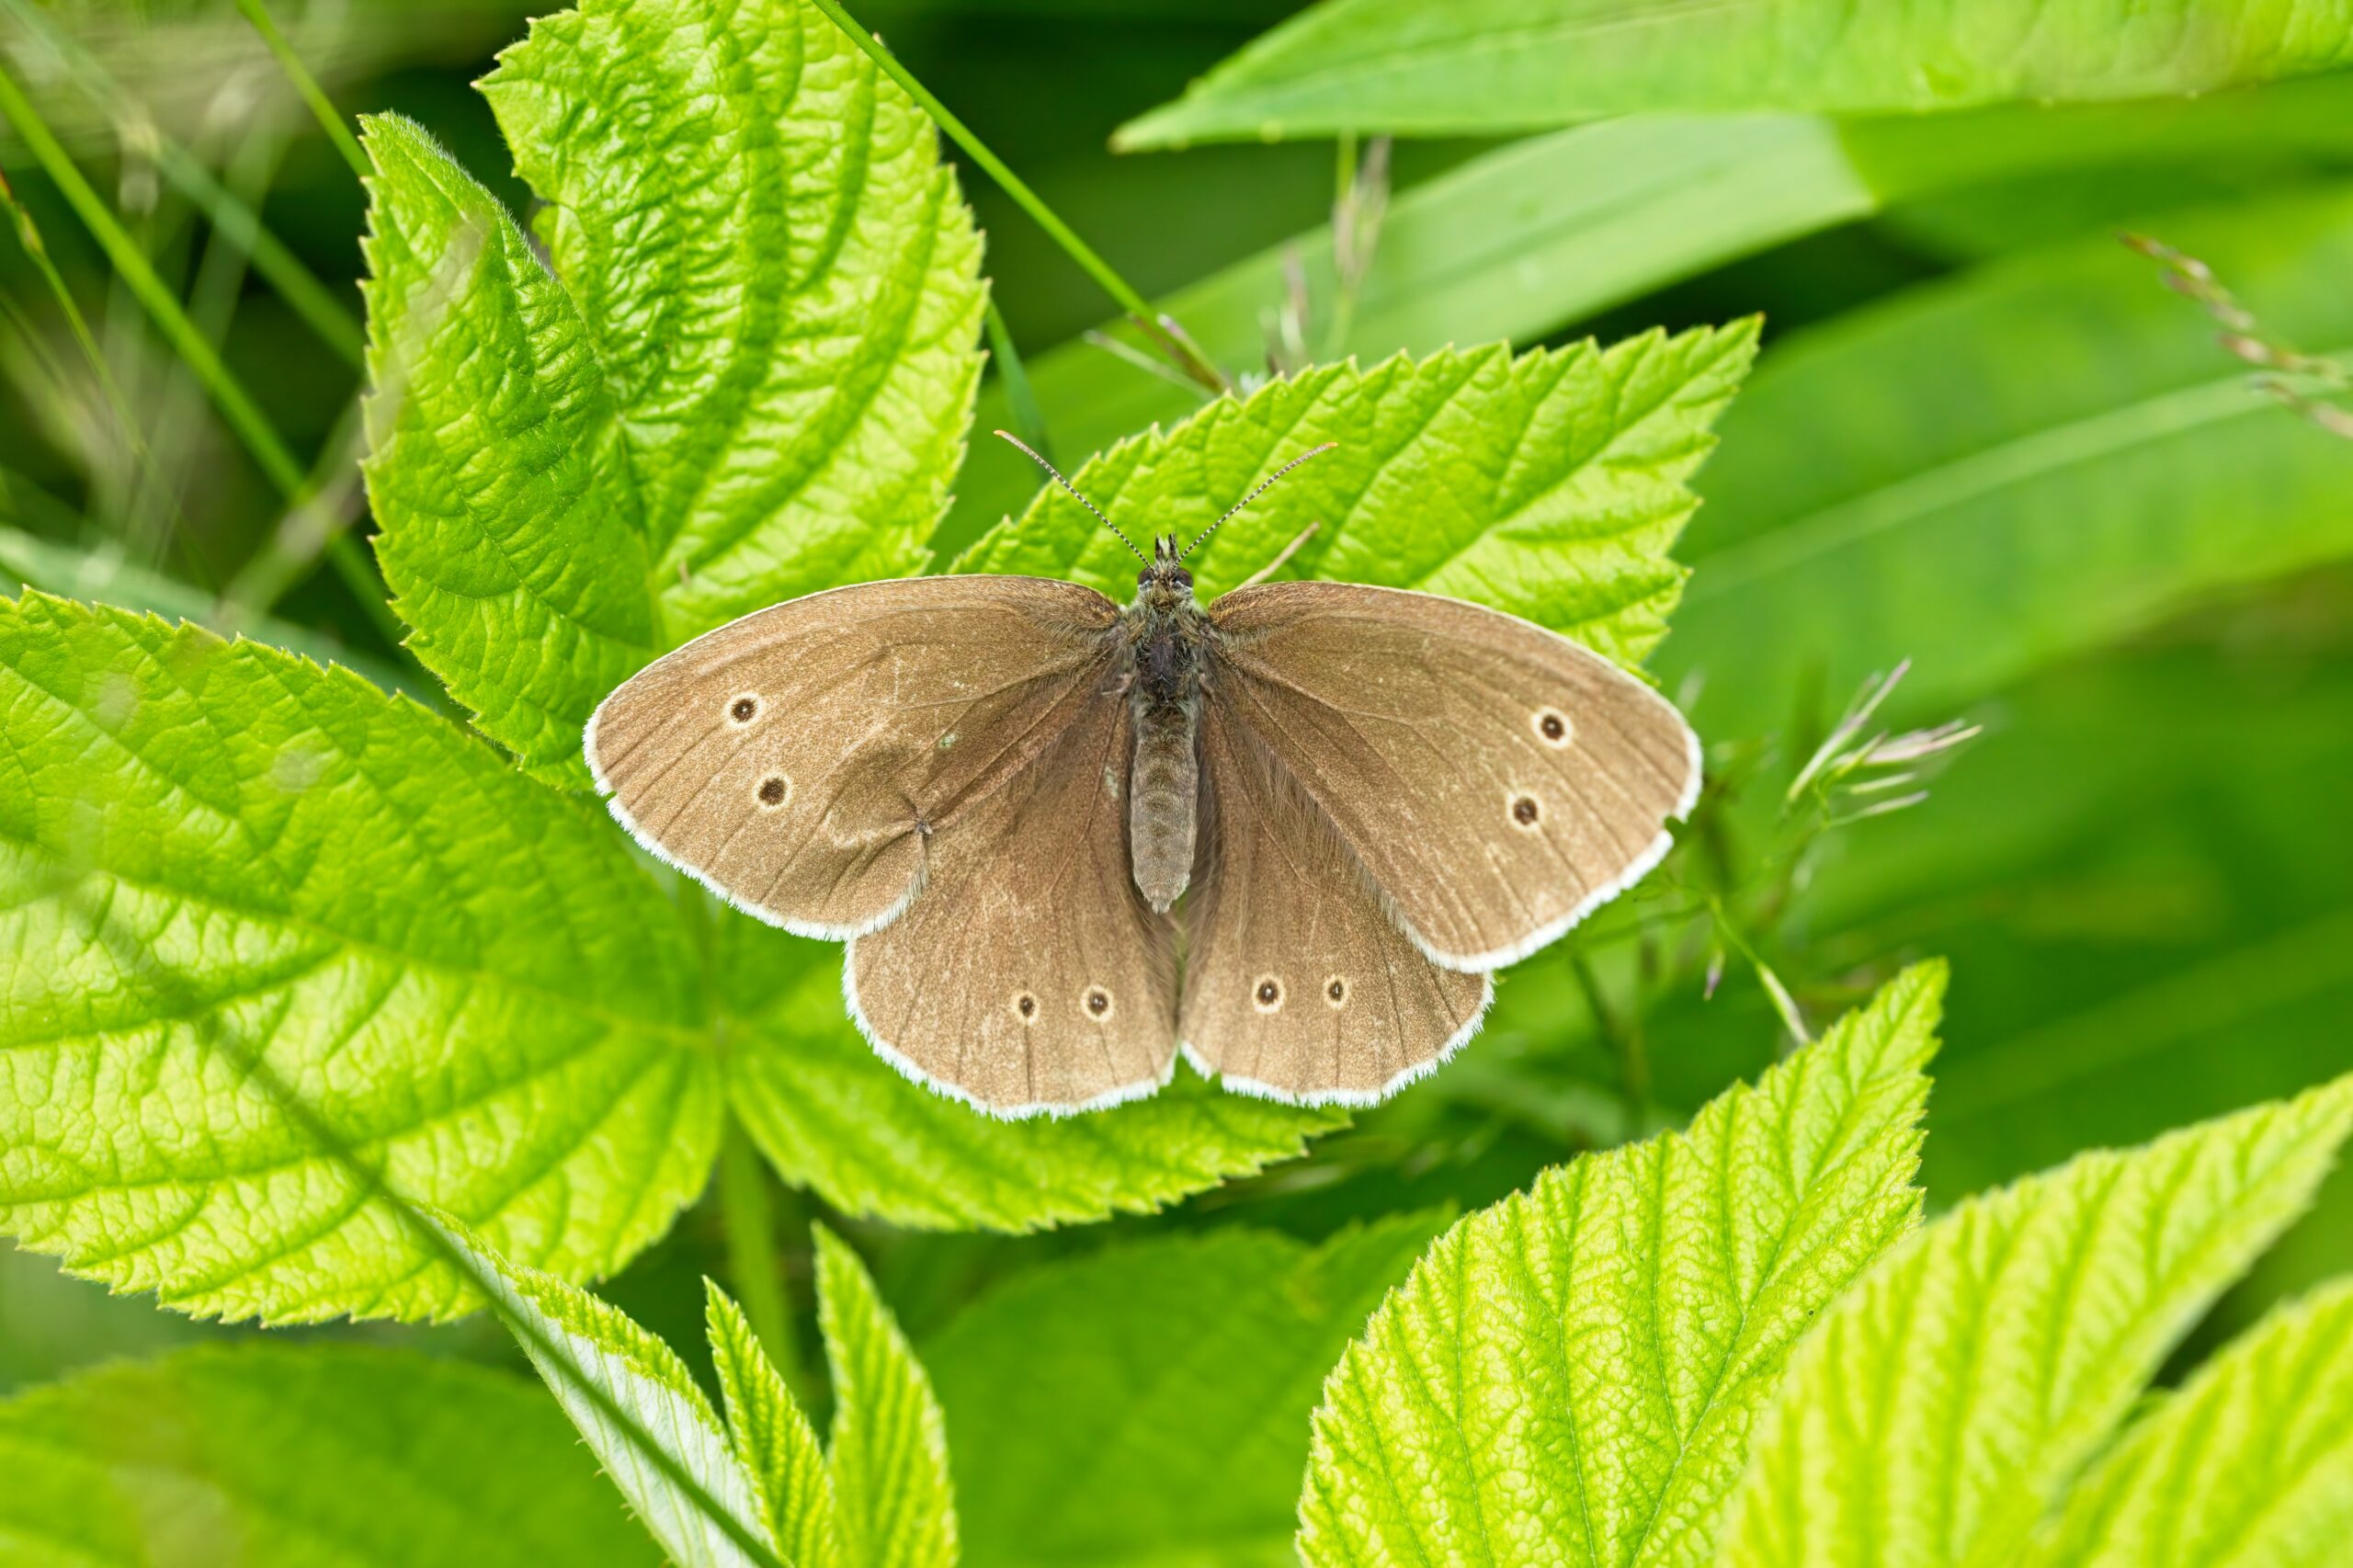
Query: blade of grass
x=1153, y=323
x=28, y=236
x=236, y=405
x=1029, y=419
x=329, y=120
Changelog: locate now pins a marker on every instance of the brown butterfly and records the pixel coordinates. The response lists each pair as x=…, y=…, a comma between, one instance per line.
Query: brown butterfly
x=997, y=788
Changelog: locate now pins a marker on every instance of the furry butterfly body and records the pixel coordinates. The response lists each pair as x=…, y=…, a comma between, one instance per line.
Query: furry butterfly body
x=1018, y=803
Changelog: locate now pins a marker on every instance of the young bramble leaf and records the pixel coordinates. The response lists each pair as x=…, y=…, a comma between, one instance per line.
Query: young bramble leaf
x=1511, y=65
x=296, y=954
x=1550, y=484
x=773, y=1438
x=1573, y=1375
x=1942, y=1406
x=745, y=375
x=261, y=1455
x=894, y=1504
x=830, y=1114
x=638, y=1409
x=1149, y=1403
x=2251, y=1464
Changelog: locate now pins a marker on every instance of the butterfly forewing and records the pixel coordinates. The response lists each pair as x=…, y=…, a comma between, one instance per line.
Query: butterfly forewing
x=1297, y=985
x=1494, y=780
x=794, y=759
x=1031, y=975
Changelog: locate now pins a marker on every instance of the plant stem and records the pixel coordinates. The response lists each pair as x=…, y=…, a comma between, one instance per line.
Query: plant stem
x=754, y=1265
x=1146, y=320
x=307, y=84
x=244, y=416
x=1625, y=1043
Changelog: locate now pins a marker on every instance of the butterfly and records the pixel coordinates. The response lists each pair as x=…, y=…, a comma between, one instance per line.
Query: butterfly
x=1017, y=800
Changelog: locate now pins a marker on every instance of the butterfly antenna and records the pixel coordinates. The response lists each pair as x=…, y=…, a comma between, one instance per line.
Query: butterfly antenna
x=1263, y=486
x=1076, y=496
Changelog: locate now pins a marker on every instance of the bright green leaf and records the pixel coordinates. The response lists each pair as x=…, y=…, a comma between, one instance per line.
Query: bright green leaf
x=290, y=1457
x=2250, y=1465
x=1149, y=1403
x=773, y=1439
x=1550, y=484
x=746, y=378
x=1571, y=1376
x=1503, y=65
x=296, y=953
x=830, y=1114
x=895, y=1506
x=1989, y=475
x=1944, y=1403
x=636, y=1406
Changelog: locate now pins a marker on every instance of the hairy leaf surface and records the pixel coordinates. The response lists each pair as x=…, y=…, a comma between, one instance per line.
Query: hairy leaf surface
x=286, y=1457
x=773, y=1438
x=292, y=950
x=1573, y=1375
x=1550, y=484
x=744, y=375
x=1501, y=65
x=1944, y=1403
x=894, y=1504
x=1148, y=1403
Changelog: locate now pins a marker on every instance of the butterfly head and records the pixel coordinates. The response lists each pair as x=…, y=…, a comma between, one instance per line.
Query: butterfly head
x=1164, y=578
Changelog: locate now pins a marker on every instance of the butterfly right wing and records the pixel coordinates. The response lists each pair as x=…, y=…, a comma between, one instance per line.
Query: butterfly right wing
x=1298, y=987
x=795, y=760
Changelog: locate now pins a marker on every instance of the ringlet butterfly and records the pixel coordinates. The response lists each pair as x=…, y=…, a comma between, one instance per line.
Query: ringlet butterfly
x=996, y=789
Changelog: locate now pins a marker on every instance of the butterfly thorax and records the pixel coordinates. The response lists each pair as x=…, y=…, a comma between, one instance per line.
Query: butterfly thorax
x=1166, y=641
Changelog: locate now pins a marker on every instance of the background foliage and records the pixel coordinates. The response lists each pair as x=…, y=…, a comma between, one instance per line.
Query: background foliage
x=1979, y=435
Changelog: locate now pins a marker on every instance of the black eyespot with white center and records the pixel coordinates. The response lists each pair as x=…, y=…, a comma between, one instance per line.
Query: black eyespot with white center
x=1525, y=812
x=1025, y=1006
x=1097, y=1002
x=1552, y=727
x=1336, y=991
x=1268, y=994
x=743, y=709
x=774, y=790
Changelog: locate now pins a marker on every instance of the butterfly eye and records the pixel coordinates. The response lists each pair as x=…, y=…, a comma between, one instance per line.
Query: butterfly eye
x=1184, y=578
x=1144, y=578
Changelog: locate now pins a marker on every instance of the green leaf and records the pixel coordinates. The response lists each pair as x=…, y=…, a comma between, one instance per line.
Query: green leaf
x=1505, y=65
x=1990, y=474
x=745, y=375
x=1549, y=484
x=888, y=1463
x=288, y=1457
x=297, y=955
x=1148, y=1403
x=637, y=1407
x=2251, y=1464
x=773, y=1439
x=1573, y=1375
x=1942, y=1405
x=830, y=1114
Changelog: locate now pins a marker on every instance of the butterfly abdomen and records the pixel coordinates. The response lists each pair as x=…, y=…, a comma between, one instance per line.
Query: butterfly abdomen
x=1164, y=785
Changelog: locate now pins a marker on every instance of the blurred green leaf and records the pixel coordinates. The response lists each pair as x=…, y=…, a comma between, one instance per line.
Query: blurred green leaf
x=286, y=1457
x=2251, y=1464
x=1550, y=485
x=1400, y=66
x=1946, y=1403
x=292, y=952
x=743, y=374
x=831, y=1115
x=1572, y=1375
x=1148, y=1404
x=1991, y=474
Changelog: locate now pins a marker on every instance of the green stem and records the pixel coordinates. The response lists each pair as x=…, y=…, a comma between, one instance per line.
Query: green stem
x=1020, y=401
x=1145, y=318
x=307, y=84
x=1625, y=1043
x=244, y=416
x=754, y=1265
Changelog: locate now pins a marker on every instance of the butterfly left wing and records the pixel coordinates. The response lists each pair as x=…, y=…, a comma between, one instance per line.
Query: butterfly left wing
x=1496, y=780
x=1297, y=986
x=1031, y=975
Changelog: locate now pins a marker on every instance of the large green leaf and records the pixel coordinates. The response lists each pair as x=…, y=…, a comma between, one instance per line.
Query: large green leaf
x=290, y=954
x=2251, y=1464
x=1943, y=1405
x=288, y=1457
x=1993, y=474
x=1571, y=1376
x=746, y=377
x=1525, y=239
x=1148, y=1403
x=1501, y=65
x=830, y=1114
x=1549, y=484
